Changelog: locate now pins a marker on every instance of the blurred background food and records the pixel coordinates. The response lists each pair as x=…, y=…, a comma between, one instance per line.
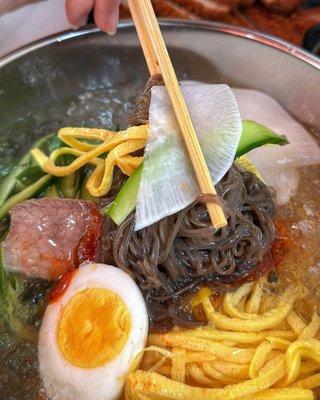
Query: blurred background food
x=297, y=21
x=288, y=19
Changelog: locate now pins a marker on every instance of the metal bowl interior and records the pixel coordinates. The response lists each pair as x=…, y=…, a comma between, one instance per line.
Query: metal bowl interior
x=81, y=77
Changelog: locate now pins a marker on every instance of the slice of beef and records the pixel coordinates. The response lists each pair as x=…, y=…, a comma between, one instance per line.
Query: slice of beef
x=49, y=236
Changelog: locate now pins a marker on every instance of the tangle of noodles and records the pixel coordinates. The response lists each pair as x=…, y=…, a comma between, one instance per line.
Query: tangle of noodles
x=140, y=111
x=176, y=256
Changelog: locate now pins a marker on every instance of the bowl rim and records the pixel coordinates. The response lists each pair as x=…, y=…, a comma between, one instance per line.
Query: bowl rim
x=252, y=35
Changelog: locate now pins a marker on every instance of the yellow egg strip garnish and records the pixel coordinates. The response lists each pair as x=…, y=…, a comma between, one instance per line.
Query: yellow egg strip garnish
x=178, y=370
x=281, y=394
x=270, y=358
x=295, y=322
x=129, y=164
x=236, y=337
x=199, y=356
x=301, y=348
x=234, y=298
x=311, y=330
x=117, y=148
x=234, y=370
x=198, y=375
x=311, y=382
x=100, y=182
x=151, y=349
x=262, y=352
x=252, y=306
x=256, y=322
x=307, y=367
x=70, y=137
x=152, y=384
x=219, y=350
x=268, y=302
x=158, y=365
x=211, y=371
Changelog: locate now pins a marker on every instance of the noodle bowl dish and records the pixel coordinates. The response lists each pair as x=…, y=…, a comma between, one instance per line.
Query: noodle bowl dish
x=114, y=284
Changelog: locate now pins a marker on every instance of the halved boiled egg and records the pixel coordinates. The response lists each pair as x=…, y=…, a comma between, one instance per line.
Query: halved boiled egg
x=91, y=334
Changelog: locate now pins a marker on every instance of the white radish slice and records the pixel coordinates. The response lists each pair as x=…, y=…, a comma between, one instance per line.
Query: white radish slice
x=168, y=182
x=260, y=107
x=278, y=164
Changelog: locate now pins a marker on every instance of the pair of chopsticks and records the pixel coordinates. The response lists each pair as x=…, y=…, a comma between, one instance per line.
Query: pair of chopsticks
x=158, y=61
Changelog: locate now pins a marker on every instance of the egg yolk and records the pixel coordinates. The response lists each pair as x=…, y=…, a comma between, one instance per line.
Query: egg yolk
x=93, y=328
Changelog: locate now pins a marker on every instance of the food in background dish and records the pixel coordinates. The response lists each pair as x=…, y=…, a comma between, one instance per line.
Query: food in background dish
x=229, y=313
x=91, y=334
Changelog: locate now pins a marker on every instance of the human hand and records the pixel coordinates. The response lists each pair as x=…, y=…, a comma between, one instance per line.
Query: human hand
x=106, y=13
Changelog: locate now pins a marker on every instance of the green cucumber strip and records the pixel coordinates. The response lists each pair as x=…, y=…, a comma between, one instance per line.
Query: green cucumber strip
x=30, y=175
x=105, y=210
x=49, y=144
x=25, y=194
x=69, y=185
x=126, y=199
x=52, y=192
x=253, y=135
x=2, y=273
x=256, y=135
x=10, y=181
x=84, y=193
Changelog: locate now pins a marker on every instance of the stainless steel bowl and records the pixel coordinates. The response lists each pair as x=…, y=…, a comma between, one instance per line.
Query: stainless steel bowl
x=38, y=82
x=87, y=78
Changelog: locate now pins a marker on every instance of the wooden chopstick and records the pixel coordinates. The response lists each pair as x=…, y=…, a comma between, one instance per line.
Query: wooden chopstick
x=158, y=60
x=144, y=38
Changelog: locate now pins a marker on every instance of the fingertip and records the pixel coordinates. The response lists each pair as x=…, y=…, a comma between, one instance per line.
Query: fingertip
x=106, y=16
x=78, y=11
x=70, y=13
x=104, y=26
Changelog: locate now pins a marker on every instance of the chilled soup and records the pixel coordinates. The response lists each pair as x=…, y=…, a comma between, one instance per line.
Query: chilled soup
x=294, y=253
x=302, y=216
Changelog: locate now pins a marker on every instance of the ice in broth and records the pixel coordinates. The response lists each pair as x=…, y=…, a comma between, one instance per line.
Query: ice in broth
x=298, y=223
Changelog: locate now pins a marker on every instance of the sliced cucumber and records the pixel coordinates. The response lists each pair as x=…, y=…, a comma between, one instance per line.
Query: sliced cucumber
x=256, y=135
x=30, y=175
x=69, y=185
x=84, y=192
x=25, y=194
x=9, y=183
x=2, y=273
x=52, y=192
x=126, y=200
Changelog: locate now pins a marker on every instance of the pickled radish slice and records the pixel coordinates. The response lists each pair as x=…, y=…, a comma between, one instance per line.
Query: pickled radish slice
x=168, y=183
x=278, y=164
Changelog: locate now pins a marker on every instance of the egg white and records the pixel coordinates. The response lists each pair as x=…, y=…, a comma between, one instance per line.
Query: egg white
x=64, y=381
